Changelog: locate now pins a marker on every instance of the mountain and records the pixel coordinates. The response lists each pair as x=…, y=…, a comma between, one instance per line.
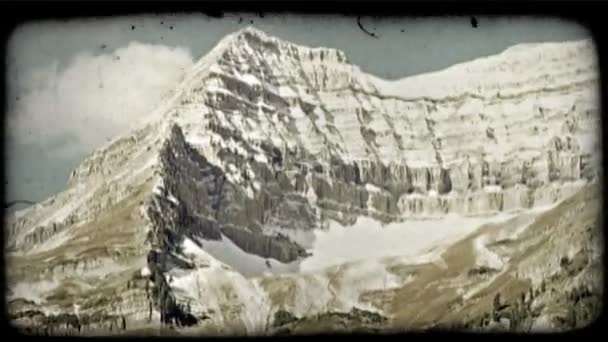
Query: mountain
x=280, y=185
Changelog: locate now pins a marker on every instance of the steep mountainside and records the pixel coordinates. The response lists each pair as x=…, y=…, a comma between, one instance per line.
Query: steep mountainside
x=279, y=182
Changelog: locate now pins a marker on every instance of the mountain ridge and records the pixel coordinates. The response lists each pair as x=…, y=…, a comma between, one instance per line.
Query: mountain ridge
x=222, y=44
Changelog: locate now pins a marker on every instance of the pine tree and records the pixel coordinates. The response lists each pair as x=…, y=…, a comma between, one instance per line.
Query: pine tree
x=497, y=301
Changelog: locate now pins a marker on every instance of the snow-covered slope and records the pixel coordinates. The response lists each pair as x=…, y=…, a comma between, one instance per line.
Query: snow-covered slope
x=268, y=153
x=519, y=69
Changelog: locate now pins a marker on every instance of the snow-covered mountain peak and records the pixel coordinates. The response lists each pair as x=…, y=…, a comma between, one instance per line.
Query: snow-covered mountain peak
x=268, y=151
x=252, y=33
x=257, y=38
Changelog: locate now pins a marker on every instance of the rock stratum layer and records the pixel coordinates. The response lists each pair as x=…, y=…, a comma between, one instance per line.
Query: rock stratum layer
x=207, y=217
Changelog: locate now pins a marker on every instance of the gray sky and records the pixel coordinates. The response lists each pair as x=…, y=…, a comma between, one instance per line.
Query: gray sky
x=73, y=85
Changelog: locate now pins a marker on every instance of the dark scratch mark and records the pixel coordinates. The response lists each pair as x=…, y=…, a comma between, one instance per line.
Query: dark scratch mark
x=132, y=27
x=402, y=30
x=162, y=22
x=251, y=21
x=170, y=27
x=474, y=22
x=371, y=34
x=240, y=20
x=103, y=46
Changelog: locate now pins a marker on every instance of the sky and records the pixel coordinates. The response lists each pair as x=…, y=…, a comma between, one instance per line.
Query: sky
x=73, y=85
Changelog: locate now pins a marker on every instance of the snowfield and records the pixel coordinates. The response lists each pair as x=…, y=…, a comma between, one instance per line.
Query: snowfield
x=368, y=239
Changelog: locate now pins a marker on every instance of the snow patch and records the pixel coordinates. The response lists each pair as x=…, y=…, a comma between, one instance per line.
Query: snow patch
x=260, y=158
x=372, y=188
x=368, y=275
x=220, y=288
x=173, y=199
x=34, y=291
x=369, y=239
x=485, y=257
x=145, y=272
x=492, y=188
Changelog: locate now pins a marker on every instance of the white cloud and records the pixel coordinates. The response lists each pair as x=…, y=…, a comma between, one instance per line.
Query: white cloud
x=94, y=98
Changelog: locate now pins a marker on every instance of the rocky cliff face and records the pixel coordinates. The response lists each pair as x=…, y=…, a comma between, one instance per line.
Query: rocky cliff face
x=265, y=144
x=294, y=109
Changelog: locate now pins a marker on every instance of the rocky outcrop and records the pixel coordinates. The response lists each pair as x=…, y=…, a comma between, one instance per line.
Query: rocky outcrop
x=565, y=292
x=70, y=324
x=198, y=200
x=527, y=312
x=277, y=247
x=354, y=321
